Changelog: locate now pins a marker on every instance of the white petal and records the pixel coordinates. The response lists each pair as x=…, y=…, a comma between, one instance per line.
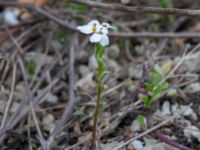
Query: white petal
x=96, y=24
x=87, y=29
x=92, y=22
x=104, y=40
x=95, y=38
x=108, y=26
x=104, y=30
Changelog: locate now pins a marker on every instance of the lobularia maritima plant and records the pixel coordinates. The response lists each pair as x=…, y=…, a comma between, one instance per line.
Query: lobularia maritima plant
x=99, y=36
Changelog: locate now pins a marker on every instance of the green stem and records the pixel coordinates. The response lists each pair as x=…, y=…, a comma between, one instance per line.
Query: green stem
x=96, y=116
x=101, y=72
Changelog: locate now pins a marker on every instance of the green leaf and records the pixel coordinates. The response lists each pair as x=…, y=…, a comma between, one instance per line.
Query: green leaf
x=121, y=44
x=167, y=18
x=140, y=119
x=31, y=67
x=100, y=77
x=61, y=36
x=79, y=113
x=144, y=98
x=166, y=4
x=156, y=78
x=153, y=27
x=78, y=7
x=155, y=97
x=149, y=86
x=162, y=86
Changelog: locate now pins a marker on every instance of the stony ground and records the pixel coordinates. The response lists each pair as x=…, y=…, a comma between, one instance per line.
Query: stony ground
x=47, y=69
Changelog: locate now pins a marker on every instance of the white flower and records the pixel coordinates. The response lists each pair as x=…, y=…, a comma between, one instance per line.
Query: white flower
x=99, y=32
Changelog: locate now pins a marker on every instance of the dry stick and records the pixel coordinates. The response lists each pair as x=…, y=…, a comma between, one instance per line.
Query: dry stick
x=10, y=97
x=24, y=109
x=28, y=93
x=159, y=135
x=67, y=25
x=156, y=34
x=40, y=11
x=139, y=9
x=115, y=7
x=152, y=129
x=181, y=61
x=72, y=99
x=29, y=133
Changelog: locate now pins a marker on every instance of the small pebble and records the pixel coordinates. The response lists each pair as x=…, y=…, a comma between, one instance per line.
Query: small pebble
x=83, y=70
x=175, y=108
x=188, y=111
x=192, y=131
x=137, y=145
x=48, y=122
x=172, y=92
x=166, y=108
x=135, y=126
x=92, y=63
x=85, y=83
x=113, y=51
x=53, y=99
x=192, y=88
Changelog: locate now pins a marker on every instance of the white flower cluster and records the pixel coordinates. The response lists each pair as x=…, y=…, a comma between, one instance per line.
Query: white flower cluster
x=99, y=32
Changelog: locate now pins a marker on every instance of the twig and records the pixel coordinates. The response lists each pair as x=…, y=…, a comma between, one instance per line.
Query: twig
x=29, y=95
x=67, y=25
x=184, y=57
x=72, y=100
x=156, y=34
x=40, y=11
x=139, y=9
x=29, y=132
x=10, y=97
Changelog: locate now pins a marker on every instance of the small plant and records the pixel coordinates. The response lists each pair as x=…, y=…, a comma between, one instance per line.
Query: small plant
x=79, y=113
x=154, y=89
x=31, y=67
x=167, y=4
x=141, y=120
x=99, y=36
x=61, y=36
x=151, y=92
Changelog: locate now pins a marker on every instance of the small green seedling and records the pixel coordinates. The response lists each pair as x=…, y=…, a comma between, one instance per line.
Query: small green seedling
x=154, y=88
x=141, y=120
x=167, y=4
x=31, y=67
x=79, y=113
x=61, y=36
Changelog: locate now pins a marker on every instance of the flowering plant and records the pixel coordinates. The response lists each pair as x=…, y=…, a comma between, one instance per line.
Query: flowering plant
x=99, y=36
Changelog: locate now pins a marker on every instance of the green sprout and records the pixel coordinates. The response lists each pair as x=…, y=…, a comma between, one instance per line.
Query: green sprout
x=141, y=120
x=31, y=67
x=154, y=88
x=79, y=113
x=167, y=4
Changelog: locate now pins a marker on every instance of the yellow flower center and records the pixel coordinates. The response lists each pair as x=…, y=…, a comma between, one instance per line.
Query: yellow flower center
x=94, y=28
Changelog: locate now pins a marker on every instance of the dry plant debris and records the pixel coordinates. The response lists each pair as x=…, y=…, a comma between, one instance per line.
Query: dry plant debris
x=48, y=74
